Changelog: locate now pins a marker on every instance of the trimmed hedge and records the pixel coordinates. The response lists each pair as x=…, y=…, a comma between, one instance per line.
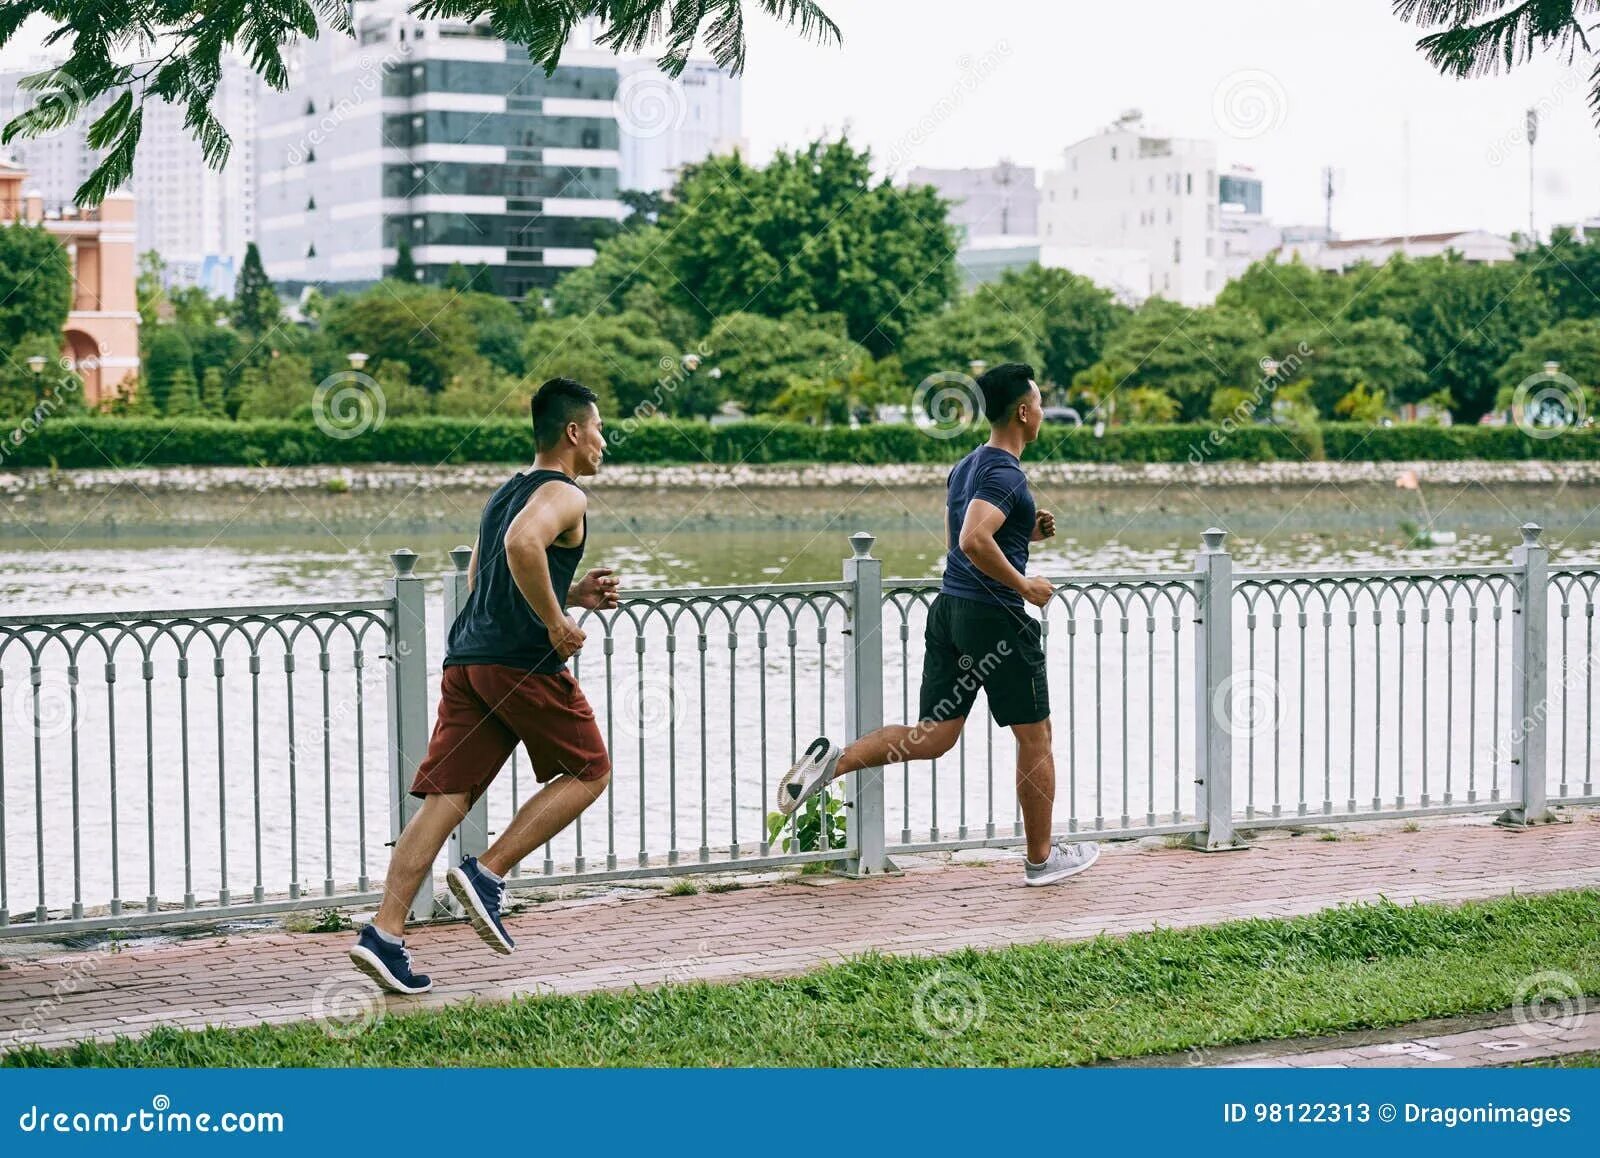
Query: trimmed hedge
x=128, y=442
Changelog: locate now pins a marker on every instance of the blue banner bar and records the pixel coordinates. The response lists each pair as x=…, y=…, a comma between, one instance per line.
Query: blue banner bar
x=697, y=1112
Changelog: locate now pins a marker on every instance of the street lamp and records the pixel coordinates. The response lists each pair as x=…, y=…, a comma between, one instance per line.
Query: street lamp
x=357, y=360
x=36, y=364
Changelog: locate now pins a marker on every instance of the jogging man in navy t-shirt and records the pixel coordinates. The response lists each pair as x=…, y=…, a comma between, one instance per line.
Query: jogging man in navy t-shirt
x=980, y=634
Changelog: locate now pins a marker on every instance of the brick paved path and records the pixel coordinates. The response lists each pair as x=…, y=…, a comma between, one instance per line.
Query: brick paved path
x=789, y=927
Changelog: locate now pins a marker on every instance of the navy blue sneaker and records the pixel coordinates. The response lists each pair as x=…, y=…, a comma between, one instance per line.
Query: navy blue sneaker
x=481, y=899
x=387, y=963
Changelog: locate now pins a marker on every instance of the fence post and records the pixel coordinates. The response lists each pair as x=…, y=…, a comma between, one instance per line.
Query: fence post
x=863, y=705
x=1213, y=685
x=408, y=702
x=1530, y=659
x=471, y=837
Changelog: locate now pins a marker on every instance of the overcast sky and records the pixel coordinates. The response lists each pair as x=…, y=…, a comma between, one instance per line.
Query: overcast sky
x=1283, y=86
x=1339, y=79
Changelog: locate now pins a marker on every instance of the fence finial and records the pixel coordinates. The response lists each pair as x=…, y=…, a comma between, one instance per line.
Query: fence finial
x=861, y=543
x=461, y=557
x=1213, y=538
x=404, y=560
x=1530, y=534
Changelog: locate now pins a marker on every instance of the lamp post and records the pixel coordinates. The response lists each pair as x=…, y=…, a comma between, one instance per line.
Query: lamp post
x=357, y=360
x=36, y=364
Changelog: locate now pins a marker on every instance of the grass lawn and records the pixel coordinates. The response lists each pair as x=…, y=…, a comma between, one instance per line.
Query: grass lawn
x=1048, y=1004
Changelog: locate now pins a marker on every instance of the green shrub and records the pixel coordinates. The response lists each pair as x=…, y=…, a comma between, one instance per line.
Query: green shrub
x=93, y=442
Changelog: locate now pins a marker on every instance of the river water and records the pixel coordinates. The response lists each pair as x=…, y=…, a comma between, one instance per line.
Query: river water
x=700, y=730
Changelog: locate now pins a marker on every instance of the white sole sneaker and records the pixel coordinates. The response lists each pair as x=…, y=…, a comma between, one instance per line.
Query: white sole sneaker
x=368, y=962
x=1062, y=874
x=808, y=776
x=472, y=905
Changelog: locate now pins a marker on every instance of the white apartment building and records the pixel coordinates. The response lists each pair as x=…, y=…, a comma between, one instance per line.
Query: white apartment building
x=994, y=201
x=667, y=123
x=1474, y=245
x=1127, y=189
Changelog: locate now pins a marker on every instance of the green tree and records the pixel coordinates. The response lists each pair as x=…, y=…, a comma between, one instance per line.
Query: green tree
x=978, y=327
x=21, y=390
x=621, y=358
x=1472, y=38
x=1187, y=354
x=1568, y=270
x=1290, y=295
x=428, y=329
x=1333, y=357
x=1574, y=344
x=405, y=267
x=756, y=358
x=150, y=288
x=37, y=280
x=810, y=232
x=188, y=66
x=1465, y=320
x=280, y=390
x=183, y=396
x=620, y=263
x=255, y=303
x=166, y=353
x=1070, y=316
x=1361, y=404
x=213, y=393
x=497, y=326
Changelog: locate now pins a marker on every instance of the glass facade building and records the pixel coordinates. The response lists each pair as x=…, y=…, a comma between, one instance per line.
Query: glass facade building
x=441, y=136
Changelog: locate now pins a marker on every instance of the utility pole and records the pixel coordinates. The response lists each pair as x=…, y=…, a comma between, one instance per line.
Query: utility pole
x=1327, y=199
x=1533, y=136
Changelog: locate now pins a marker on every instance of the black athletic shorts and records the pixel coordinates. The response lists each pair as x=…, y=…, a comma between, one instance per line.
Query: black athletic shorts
x=971, y=645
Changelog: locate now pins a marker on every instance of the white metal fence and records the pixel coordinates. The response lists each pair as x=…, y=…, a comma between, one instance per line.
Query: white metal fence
x=180, y=765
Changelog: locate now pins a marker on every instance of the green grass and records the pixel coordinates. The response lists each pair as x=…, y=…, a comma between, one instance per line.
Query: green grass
x=1047, y=1004
x=1589, y=1059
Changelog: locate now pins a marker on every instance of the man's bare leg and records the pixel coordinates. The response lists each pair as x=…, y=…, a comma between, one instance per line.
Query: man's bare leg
x=414, y=854
x=541, y=816
x=898, y=743
x=1036, y=786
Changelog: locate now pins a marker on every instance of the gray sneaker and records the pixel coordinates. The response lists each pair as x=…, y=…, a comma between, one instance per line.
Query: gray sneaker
x=809, y=775
x=1065, y=860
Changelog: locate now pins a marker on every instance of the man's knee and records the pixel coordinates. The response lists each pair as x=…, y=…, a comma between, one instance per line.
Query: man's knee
x=936, y=737
x=1033, y=736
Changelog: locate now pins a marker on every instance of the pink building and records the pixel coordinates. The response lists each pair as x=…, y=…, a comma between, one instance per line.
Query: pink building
x=101, y=338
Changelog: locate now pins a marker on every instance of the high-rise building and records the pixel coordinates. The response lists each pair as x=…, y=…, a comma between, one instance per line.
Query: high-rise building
x=436, y=134
x=197, y=218
x=996, y=201
x=1128, y=189
x=666, y=123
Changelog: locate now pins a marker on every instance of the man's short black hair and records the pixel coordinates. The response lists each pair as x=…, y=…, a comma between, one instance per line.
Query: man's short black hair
x=1002, y=387
x=559, y=401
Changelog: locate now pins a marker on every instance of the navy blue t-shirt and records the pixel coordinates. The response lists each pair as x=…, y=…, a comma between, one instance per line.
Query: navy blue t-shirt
x=996, y=477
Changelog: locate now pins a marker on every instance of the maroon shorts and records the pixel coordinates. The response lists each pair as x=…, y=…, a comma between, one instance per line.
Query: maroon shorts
x=486, y=709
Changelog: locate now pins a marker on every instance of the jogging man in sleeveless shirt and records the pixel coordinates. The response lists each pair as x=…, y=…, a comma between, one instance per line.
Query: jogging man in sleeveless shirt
x=506, y=682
